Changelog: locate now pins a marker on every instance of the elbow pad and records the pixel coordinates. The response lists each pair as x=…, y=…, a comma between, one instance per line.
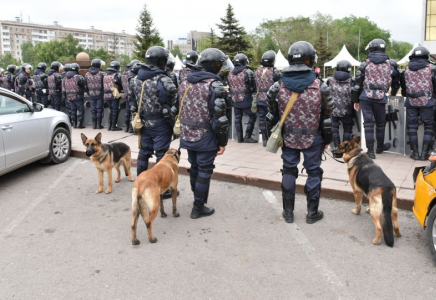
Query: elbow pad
x=327, y=131
x=222, y=131
x=219, y=108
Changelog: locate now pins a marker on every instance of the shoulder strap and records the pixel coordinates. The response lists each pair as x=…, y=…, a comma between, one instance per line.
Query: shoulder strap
x=142, y=93
x=183, y=100
x=260, y=81
x=288, y=108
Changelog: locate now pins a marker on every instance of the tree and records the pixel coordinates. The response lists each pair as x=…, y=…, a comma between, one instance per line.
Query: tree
x=397, y=50
x=212, y=38
x=233, y=39
x=322, y=50
x=101, y=53
x=176, y=51
x=28, y=54
x=7, y=59
x=147, y=35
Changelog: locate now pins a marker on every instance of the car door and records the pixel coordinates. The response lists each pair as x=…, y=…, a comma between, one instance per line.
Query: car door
x=24, y=134
x=2, y=154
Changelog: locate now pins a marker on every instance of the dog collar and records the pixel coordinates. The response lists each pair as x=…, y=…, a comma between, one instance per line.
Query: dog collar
x=174, y=154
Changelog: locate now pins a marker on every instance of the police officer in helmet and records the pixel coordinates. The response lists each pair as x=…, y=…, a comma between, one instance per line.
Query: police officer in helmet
x=374, y=78
x=126, y=76
x=95, y=89
x=112, y=81
x=307, y=129
x=23, y=82
x=170, y=69
x=418, y=85
x=158, y=108
x=54, y=82
x=41, y=84
x=204, y=125
x=191, y=60
x=73, y=89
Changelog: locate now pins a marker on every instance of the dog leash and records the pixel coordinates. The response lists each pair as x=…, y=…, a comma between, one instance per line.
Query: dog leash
x=121, y=138
x=342, y=162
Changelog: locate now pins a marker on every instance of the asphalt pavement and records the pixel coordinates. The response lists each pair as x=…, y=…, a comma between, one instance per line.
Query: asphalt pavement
x=60, y=240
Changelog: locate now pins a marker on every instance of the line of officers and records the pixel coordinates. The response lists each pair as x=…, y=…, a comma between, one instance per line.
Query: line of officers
x=202, y=103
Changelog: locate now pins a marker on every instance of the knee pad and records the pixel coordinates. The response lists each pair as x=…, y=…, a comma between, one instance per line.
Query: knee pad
x=289, y=187
x=316, y=173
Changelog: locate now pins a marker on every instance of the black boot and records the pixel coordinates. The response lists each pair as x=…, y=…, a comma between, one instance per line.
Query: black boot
x=336, y=141
x=199, y=210
x=424, y=154
x=313, y=214
x=415, y=154
x=264, y=138
x=248, y=138
x=99, y=126
x=168, y=194
x=240, y=137
x=370, y=151
x=130, y=128
x=127, y=127
x=80, y=125
x=384, y=147
x=109, y=126
x=74, y=122
x=94, y=123
x=288, y=207
x=114, y=123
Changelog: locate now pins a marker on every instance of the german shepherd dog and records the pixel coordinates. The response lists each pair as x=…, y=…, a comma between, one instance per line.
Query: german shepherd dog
x=368, y=178
x=107, y=156
x=148, y=189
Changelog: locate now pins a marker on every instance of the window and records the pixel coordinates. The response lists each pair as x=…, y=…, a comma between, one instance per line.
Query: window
x=10, y=106
x=430, y=22
x=5, y=34
x=5, y=27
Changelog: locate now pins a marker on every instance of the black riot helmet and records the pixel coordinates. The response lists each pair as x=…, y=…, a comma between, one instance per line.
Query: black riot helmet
x=56, y=66
x=26, y=66
x=420, y=51
x=115, y=65
x=12, y=69
x=136, y=67
x=212, y=60
x=302, y=56
x=135, y=61
x=240, y=60
x=97, y=63
x=157, y=56
x=67, y=68
x=268, y=59
x=42, y=66
x=75, y=67
x=377, y=45
x=171, y=62
x=344, y=66
x=394, y=63
x=191, y=57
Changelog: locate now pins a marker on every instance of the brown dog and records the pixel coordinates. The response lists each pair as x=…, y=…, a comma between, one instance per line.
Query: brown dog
x=107, y=156
x=148, y=189
x=368, y=178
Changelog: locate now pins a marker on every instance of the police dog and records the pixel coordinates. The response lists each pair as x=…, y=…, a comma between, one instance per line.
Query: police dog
x=107, y=156
x=368, y=178
x=148, y=189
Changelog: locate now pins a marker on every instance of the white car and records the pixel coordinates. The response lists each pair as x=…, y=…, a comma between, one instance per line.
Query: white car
x=30, y=132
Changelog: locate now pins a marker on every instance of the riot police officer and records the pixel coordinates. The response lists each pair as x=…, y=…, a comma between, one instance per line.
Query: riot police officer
x=340, y=89
x=111, y=81
x=54, y=82
x=23, y=82
x=373, y=80
x=170, y=69
x=126, y=76
x=265, y=77
x=64, y=102
x=159, y=95
x=10, y=77
x=418, y=84
x=191, y=60
x=242, y=85
x=204, y=125
x=94, y=82
x=307, y=129
x=73, y=90
x=2, y=77
x=41, y=85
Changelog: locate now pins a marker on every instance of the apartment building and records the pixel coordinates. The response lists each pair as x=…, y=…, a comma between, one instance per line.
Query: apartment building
x=189, y=43
x=14, y=33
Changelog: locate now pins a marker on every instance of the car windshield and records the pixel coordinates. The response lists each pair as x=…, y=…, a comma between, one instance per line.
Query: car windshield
x=12, y=106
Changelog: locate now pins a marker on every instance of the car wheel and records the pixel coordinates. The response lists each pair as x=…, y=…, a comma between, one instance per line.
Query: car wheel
x=431, y=232
x=60, y=145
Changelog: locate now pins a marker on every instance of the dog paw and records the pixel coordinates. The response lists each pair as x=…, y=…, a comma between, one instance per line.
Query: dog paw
x=99, y=191
x=355, y=211
x=135, y=242
x=117, y=180
x=376, y=241
x=131, y=179
x=176, y=215
x=108, y=191
x=163, y=215
x=153, y=240
x=398, y=234
x=368, y=210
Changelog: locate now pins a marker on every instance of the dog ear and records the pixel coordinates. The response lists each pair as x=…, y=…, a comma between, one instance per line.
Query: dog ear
x=357, y=139
x=98, y=138
x=84, y=138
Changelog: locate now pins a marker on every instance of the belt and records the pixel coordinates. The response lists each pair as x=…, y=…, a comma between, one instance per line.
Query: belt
x=376, y=87
x=196, y=124
x=152, y=117
x=301, y=131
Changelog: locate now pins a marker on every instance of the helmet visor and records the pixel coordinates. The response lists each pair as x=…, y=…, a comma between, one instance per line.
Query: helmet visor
x=102, y=63
x=227, y=64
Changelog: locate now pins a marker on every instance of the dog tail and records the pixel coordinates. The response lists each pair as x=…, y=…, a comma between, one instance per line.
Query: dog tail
x=143, y=210
x=386, y=219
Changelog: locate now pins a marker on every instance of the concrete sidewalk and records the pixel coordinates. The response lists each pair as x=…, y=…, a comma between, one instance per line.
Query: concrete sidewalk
x=251, y=164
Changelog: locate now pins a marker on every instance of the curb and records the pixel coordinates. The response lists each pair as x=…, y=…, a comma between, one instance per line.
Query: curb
x=402, y=203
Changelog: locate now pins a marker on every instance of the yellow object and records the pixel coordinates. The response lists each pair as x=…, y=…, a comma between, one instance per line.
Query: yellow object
x=425, y=194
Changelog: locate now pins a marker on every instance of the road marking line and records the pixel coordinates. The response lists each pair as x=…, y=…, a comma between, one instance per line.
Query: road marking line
x=8, y=229
x=334, y=281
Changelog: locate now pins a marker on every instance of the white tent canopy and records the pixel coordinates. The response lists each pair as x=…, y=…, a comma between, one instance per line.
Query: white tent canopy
x=405, y=59
x=281, y=62
x=179, y=65
x=342, y=55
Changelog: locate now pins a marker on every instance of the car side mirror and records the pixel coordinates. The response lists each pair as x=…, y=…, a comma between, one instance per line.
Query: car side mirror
x=36, y=107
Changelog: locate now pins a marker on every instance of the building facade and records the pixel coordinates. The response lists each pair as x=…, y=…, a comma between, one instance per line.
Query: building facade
x=189, y=43
x=14, y=33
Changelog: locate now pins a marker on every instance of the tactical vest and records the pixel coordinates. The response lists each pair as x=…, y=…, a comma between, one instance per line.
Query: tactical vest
x=94, y=82
x=341, y=95
x=151, y=108
x=19, y=79
x=125, y=78
x=196, y=117
x=108, y=84
x=39, y=84
x=419, y=87
x=263, y=83
x=377, y=79
x=10, y=79
x=302, y=124
x=238, y=86
x=52, y=84
x=71, y=87
x=183, y=74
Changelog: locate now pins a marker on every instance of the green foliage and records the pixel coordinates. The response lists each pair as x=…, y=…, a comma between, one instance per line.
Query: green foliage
x=101, y=53
x=397, y=50
x=233, y=39
x=323, y=52
x=176, y=51
x=147, y=35
x=28, y=54
x=123, y=59
x=7, y=59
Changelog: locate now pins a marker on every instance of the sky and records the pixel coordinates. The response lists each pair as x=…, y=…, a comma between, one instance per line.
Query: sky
x=174, y=19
